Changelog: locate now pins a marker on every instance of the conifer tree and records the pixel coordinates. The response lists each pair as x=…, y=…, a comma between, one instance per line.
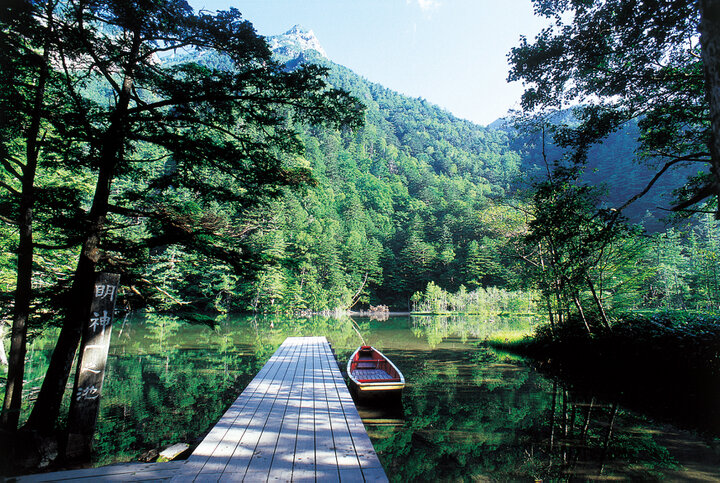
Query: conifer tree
x=172, y=139
x=36, y=137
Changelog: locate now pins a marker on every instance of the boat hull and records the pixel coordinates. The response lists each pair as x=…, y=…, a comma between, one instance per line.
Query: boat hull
x=371, y=373
x=374, y=387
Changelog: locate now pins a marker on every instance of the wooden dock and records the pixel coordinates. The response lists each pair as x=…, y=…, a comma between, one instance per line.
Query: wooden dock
x=295, y=421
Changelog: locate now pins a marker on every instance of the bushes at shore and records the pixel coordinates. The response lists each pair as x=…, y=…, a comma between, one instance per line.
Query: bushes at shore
x=665, y=362
x=691, y=339
x=481, y=301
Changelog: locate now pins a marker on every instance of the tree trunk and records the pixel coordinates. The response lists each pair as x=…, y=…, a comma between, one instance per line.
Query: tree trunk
x=47, y=407
x=3, y=359
x=23, y=289
x=600, y=306
x=548, y=300
x=586, y=426
x=710, y=46
x=608, y=437
x=552, y=417
x=578, y=305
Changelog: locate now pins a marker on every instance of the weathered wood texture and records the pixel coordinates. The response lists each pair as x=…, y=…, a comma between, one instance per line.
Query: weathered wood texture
x=85, y=400
x=120, y=472
x=295, y=421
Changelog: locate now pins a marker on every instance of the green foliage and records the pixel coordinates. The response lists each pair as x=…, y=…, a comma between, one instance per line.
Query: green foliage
x=191, y=144
x=569, y=242
x=622, y=61
x=395, y=205
x=675, y=270
x=490, y=301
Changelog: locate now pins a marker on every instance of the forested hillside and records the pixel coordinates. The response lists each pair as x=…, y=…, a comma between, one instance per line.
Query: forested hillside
x=612, y=164
x=396, y=205
x=418, y=196
x=411, y=196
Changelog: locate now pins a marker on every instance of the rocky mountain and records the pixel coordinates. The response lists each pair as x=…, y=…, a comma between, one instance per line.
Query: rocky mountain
x=295, y=42
x=395, y=205
x=495, y=154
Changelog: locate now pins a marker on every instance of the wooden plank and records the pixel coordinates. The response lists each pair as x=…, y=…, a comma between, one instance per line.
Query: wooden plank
x=344, y=448
x=266, y=448
x=363, y=449
x=283, y=456
x=298, y=423
x=325, y=453
x=209, y=456
x=234, y=454
x=258, y=442
x=304, y=455
x=128, y=471
x=295, y=421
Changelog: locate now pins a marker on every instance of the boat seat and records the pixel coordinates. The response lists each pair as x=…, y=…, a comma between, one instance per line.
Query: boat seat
x=367, y=364
x=371, y=375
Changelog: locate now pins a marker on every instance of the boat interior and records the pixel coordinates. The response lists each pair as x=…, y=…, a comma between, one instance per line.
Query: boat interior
x=369, y=366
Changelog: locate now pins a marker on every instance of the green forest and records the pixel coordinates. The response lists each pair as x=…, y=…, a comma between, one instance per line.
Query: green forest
x=411, y=196
x=218, y=176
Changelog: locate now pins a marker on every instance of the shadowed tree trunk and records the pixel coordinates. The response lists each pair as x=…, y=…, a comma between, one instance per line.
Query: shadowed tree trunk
x=3, y=358
x=710, y=44
x=47, y=407
x=578, y=305
x=598, y=302
x=23, y=290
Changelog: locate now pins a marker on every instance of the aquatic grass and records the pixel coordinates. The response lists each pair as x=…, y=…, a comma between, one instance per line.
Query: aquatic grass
x=510, y=339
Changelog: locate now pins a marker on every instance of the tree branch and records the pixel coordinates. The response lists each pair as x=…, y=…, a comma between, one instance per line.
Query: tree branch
x=120, y=210
x=11, y=169
x=650, y=184
x=8, y=220
x=70, y=244
x=179, y=302
x=694, y=157
x=356, y=297
x=9, y=188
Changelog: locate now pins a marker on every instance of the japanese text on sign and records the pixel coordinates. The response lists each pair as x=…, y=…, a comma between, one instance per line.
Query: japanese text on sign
x=101, y=321
x=89, y=392
x=102, y=291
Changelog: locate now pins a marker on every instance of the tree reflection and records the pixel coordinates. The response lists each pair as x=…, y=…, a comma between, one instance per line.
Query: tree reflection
x=468, y=412
x=472, y=413
x=436, y=328
x=171, y=381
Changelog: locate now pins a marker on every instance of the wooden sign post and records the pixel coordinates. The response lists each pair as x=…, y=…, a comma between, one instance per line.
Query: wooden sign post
x=85, y=401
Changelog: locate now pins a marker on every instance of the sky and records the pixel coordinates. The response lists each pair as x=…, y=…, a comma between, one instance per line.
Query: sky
x=451, y=52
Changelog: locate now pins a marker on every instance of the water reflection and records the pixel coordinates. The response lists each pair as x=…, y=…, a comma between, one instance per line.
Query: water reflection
x=503, y=421
x=467, y=411
x=435, y=329
x=473, y=413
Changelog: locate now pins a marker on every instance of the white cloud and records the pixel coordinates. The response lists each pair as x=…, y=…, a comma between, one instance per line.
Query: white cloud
x=426, y=5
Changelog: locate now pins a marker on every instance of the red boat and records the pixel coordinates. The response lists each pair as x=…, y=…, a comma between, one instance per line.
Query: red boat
x=371, y=372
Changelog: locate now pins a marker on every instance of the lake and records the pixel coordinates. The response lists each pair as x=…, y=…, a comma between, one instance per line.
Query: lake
x=468, y=412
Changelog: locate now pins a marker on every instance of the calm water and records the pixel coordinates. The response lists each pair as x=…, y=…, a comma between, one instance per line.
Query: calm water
x=468, y=412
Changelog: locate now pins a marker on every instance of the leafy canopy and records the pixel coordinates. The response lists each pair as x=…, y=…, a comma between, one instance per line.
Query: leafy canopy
x=621, y=60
